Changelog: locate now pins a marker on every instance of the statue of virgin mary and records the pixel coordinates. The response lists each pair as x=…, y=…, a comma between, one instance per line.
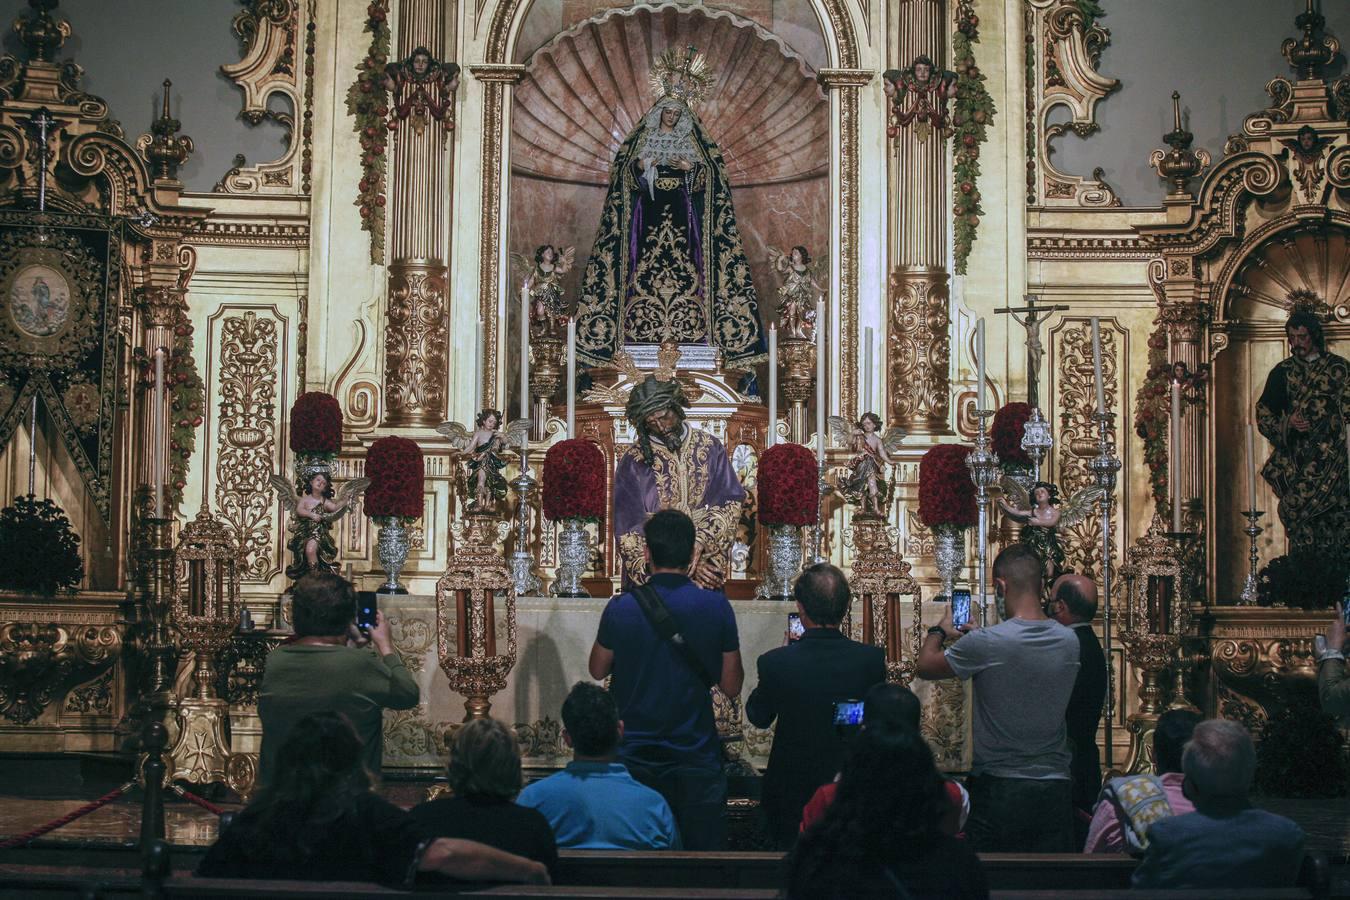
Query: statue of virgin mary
x=667, y=263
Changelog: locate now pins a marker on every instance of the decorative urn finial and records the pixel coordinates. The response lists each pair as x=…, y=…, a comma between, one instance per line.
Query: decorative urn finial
x=164, y=148
x=1180, y=164
x=40, y=33
x=1311, y=52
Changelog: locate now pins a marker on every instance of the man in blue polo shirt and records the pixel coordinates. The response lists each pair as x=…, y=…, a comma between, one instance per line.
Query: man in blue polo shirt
x=670, y=737
x=594, y=804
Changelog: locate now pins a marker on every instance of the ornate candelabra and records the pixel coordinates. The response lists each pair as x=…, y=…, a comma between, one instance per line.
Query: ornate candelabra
x=818, y=529
x=546, y=376
x=983, y=465
x=1157, y=614
x=467, y=596
x=1253, y=531
x=205, y=597
x=155, y=567
x=526, y=583
x=164, y=148
x=1104, y=467
x=880, y=577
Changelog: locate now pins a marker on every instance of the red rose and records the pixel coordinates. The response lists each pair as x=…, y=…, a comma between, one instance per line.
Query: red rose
x=316, y=424
x=946, y=493
x=394, y=467
x=788, y=485
x=1006, y=434
x=574, y=481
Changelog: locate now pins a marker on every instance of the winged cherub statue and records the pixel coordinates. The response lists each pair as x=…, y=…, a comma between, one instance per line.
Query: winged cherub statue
x=798, y=293
x=314, y=506
x=543, y=285
x=866, y=485
x=482, y=454
x=1041, y=516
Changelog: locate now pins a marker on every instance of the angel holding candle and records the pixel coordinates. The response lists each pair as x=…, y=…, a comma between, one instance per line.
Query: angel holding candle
x=866, y=484
x=314, y=506
x=1041, y=517
x=483, y=452
x=543, y=285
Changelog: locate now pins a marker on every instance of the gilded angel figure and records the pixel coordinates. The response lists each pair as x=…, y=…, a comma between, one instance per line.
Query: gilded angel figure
x=866, y=485
x=482, y=453
x=314, y=506
x=797, y=295
x=1039, y=512
x=543, y=286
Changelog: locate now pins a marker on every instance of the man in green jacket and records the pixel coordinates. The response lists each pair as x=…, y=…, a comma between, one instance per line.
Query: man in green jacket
x=1333, y=687
x=323, y=670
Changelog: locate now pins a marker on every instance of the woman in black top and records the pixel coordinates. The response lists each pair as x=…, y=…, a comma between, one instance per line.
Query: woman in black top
x=882, y=835
x=319, y=821
x=485, y=777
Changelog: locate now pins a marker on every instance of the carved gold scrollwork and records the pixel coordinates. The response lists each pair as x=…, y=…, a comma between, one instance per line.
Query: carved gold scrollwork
x=39, y=658
x=247, y=379
x=1064, y=49
x=919, y=351
x=267, y=31
x=1076, y=403
x=415, y=345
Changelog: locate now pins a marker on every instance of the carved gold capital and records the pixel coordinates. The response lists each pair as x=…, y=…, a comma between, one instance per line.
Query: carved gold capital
x=1185, y=321
x=501, y=73
x=161, y=305
x=415, y=345
x=918, y=349
x=832, y=79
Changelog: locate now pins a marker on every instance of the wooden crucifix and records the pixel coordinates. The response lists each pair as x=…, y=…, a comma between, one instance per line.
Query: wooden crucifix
x=1035, y=316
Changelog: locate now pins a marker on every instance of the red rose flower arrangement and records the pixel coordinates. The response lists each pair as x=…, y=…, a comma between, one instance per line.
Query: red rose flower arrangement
x=316, y=424
x=788, y=484
x=394, y=467
x=574, y=481
x=1006, y=434
x=946, y=493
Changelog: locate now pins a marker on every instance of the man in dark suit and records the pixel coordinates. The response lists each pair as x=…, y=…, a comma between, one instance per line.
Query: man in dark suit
x=798, y=685
x=1073, y=602
x=1225, y=843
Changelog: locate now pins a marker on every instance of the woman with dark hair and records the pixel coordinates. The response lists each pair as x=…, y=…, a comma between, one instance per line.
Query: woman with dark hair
x=319, y=820
x=882, y=836
x=484, y=779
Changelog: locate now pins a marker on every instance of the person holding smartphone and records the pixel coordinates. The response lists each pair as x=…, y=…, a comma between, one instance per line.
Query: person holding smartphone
x=800, y=686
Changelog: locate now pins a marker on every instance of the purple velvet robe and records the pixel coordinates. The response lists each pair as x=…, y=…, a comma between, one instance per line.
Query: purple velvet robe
x=697, y=480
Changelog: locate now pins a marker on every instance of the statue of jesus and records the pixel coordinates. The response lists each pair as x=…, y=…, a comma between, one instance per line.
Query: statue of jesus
x=667, y=263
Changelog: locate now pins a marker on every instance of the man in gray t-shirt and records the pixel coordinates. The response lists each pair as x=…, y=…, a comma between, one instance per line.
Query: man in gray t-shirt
x=1023, y=672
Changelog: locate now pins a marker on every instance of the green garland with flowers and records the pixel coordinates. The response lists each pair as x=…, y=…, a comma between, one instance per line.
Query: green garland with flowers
x=368, y=104
x=1152, y=415
x=973, y=112
x=186, y=396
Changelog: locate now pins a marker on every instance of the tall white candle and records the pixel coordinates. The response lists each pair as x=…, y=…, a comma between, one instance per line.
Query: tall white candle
x=157, y=434
x=524, y=353
x=979, y=363
x=772, y=437
x=1097, y=364
x=1251, y=468
x=820, y=381
x=571, y=378
x=867, y=370
x=1174, y=463
x=477, y=399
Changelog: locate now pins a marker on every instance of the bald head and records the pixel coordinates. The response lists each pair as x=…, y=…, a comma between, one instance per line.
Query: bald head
x=1073, y=598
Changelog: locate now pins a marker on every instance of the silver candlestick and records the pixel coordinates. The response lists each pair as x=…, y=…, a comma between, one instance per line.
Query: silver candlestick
x=983, y=465
x=527, y=584
x=818, y=530
x=1253, y=531
x=1104, y=467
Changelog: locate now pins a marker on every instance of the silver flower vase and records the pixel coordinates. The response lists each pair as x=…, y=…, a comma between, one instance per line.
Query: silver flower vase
x=785, y=561
x=574, y=555
x=949, y=554
x=392, y=549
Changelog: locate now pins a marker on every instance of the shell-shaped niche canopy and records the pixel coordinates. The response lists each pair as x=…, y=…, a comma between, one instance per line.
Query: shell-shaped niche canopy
x=1307, y=266
x=585, y=90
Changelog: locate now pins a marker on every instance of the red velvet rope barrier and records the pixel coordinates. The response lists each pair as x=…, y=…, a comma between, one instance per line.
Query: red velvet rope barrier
x=193, y=798
x=67, y=818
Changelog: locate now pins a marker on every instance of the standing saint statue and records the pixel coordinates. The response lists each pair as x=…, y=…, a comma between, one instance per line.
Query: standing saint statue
x=798, y=293
x=674, y=466
x=667, y=263
x=1303, y=412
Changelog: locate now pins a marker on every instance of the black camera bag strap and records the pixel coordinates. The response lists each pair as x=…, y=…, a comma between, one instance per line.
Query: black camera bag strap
x=659, y=615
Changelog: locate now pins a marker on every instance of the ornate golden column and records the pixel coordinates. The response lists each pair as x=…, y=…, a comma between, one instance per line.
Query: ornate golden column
x=416, y=373
x=918, y=347
x=1187, y=337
